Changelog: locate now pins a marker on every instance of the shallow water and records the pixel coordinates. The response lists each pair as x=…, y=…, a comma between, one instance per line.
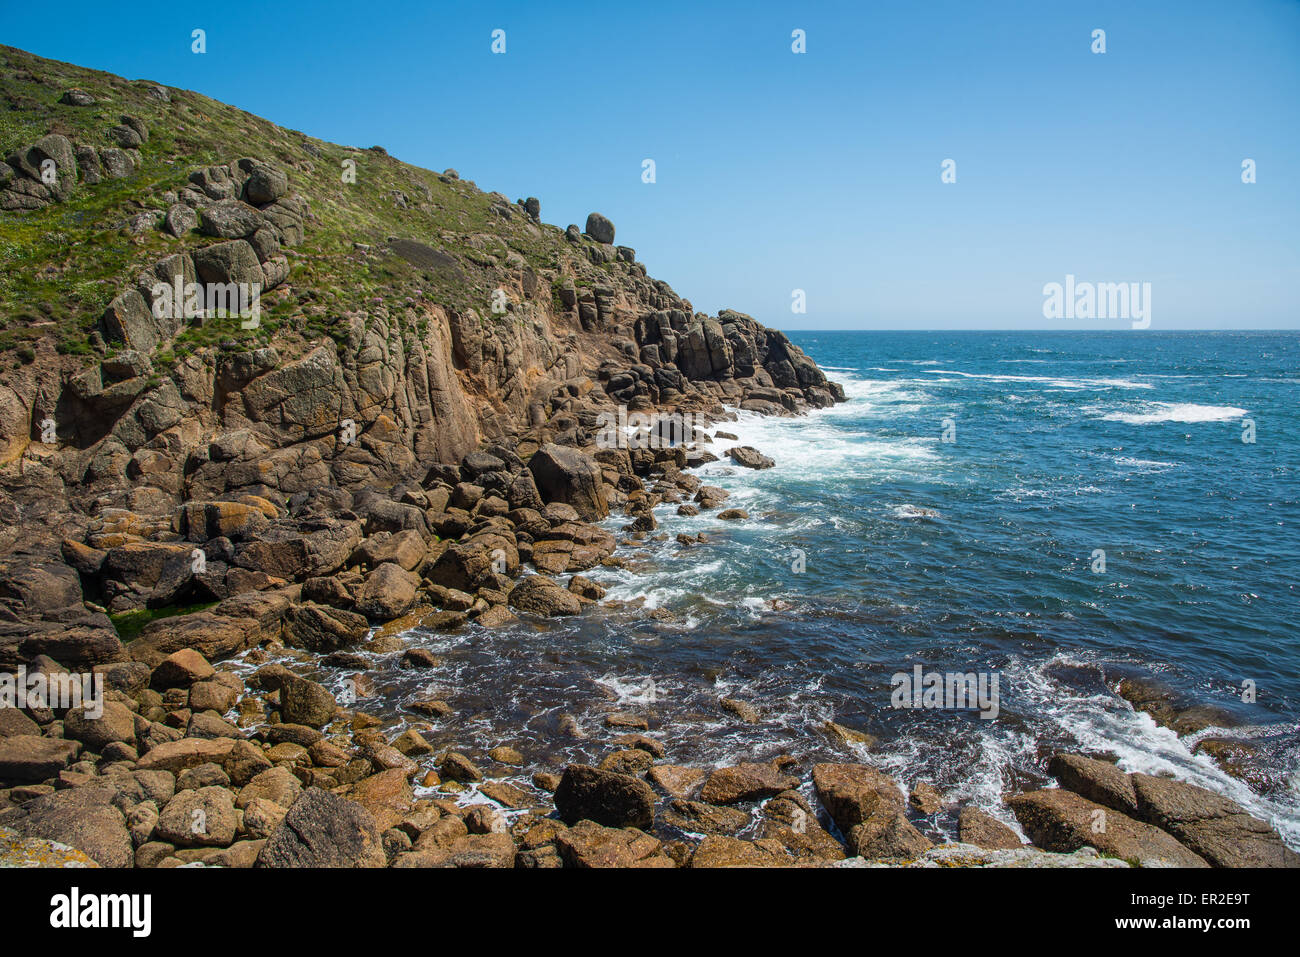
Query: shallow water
x=969, y=556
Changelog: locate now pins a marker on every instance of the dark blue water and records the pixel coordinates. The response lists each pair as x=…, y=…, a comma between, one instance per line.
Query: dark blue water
x=874, y=546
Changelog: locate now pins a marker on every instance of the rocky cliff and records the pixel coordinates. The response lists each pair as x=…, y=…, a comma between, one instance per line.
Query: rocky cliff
x=394, y=321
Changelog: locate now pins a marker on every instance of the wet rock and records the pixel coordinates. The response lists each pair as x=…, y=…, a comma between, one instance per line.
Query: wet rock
x=677, y=781
x=507, y=794
x=457, y=767
x=306, y=702
x=621, y=719
x=1236, y=756
x=1059, y=820
x=984, y=830
x=606, y=797
x=1214, y=827
x=588, y=845
x=629, y=761
x=720, y=851
x=641, y=742
x=845, y=735
x=412, y=744
x=1098, y=781
x=540, y=595
x=750, y=457
x=743, y=710
x=504, y=754
x=925, y=799
x=546, y=781
x=746, y=782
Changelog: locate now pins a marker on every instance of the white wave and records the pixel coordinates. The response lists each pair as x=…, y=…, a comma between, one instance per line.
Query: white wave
x=914, y=511
x=1105, y=723
x=1054, y=381
x=1154, y=412
x=633, y=689
x=1145, y=463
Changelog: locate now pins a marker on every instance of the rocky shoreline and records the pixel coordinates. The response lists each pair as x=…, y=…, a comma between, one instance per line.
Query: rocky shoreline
x=199, y=512
x=210, y=752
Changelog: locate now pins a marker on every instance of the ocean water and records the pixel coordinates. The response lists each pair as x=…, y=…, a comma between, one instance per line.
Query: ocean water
x=874, y=546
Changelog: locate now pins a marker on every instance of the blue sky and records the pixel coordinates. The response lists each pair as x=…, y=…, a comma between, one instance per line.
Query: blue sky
x=818, y=171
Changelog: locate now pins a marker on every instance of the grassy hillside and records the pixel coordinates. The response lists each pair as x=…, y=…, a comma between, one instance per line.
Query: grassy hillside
x=60, y=266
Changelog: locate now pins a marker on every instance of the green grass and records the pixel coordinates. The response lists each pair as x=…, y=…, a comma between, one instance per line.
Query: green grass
x=61, y=266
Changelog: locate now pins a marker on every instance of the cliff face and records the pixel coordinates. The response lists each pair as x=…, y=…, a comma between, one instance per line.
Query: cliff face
x=381, y=347
x=392, y=321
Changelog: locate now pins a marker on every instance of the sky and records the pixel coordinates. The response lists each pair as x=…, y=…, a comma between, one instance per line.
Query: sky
x=819, y=171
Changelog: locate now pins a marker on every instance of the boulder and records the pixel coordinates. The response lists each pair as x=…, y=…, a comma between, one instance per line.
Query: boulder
x=852, y=793
x=277, y=785
x=1214, y=827
x=750, y=457
x=676, y=780
x=230, y=219
x=387, y=593
x=202, y=817
x=590, y=845
x=234, y=261
x=540, y=595
x=1098, y=781
x=571, y=477
x=324, y=830
x=1062, y=821
x=84, y=818
x=721, y=851
x=887, y=834
x=265, y=184
x=606, y=797
x=176, y=756
x=746, y=782
x=600, y=228
x=306, y=702
x=180, y=670
x=322, y=629
x=116, y=723
x=386, y=795
x=984, y=830
x=27, y=757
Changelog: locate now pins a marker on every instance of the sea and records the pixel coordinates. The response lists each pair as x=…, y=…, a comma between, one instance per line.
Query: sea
x=1052, y=512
